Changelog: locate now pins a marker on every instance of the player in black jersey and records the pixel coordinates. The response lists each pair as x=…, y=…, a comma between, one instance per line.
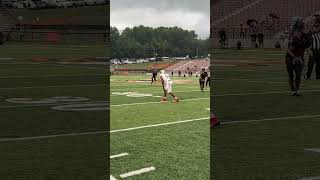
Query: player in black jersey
x=202, y=79
x=208, y=77
x=154, y=76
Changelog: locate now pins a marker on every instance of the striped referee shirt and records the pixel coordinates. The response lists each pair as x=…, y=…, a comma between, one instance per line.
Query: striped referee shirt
x=316, y=41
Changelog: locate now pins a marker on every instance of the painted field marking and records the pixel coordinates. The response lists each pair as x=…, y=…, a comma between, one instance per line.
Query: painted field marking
x=317, y=150
x=67, y=106
x=138, y=172
x=134, y=88
x=4, y=140
x=153, y=102
x=57, y=86
x=261, y=93
x=158, y=125
x=270, y=82
x=90, y=106
x=34, y=105
x=272, y=119
x=119, y=155
x=6, y=59
x=149, y=126
x=311, y=178
x=112, y=178
x=148, y=94
x=62, y=75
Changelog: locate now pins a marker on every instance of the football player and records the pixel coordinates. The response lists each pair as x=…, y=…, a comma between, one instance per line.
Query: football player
x=167, y=86
x=298, y=43
x=208, y=78
x=202, y=79
x=154, y=76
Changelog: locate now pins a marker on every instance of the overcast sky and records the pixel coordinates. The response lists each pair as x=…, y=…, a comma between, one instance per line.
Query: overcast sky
x=187, y=14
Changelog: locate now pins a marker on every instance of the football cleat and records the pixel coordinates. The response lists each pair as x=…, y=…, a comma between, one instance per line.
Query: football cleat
x=298, y=93
x=164, y=99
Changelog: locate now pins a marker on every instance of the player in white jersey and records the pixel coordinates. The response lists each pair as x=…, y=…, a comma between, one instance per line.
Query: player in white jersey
x=167, y=86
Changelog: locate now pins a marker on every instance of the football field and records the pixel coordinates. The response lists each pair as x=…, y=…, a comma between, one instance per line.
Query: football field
x=155, y=140
x=266, y=133
x=51, y=115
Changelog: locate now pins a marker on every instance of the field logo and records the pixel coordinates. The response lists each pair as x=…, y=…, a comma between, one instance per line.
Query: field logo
x=90, y=106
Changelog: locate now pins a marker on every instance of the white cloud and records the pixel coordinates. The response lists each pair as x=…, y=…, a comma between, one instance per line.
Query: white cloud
x=130, y=15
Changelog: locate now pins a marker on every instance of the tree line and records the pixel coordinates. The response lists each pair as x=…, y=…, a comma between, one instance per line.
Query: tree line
x=147, y=42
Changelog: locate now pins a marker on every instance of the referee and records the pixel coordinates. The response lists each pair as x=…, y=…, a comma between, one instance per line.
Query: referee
x=314, y=54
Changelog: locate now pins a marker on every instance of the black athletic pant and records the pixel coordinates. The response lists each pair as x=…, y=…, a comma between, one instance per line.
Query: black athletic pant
x=201, y=82
x=313, y=59
x=154, y=79
x=294, y=70
x=208, y=81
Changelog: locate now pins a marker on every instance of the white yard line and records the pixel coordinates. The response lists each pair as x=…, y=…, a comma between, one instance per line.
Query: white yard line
x=118, y=155
x=118, y=105
x=317, y=150
x=272, y=119
x=310, y=178
x=36, y=105
x=159, y=92
x=150, y=126
x=112, y=178
x=3, y=140
x=261, y=93
x=157, y=125
x=153, y=102
x=126, y=88
x=269, y=82
x=137, y=172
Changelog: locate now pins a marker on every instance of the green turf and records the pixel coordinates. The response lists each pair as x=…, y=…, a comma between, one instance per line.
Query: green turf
x=22, y=51
x=266, y=150
x=67, y=157
x=248, y=54
x=177, y=151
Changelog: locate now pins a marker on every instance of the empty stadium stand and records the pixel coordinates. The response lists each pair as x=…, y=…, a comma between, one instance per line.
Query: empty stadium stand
x=229, y=14
x=7, y=21
x=195, y=65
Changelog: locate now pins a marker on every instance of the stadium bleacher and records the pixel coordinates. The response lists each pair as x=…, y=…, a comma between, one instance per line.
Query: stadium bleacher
x=7, y=22
x=230, y=14
x=196, y=65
